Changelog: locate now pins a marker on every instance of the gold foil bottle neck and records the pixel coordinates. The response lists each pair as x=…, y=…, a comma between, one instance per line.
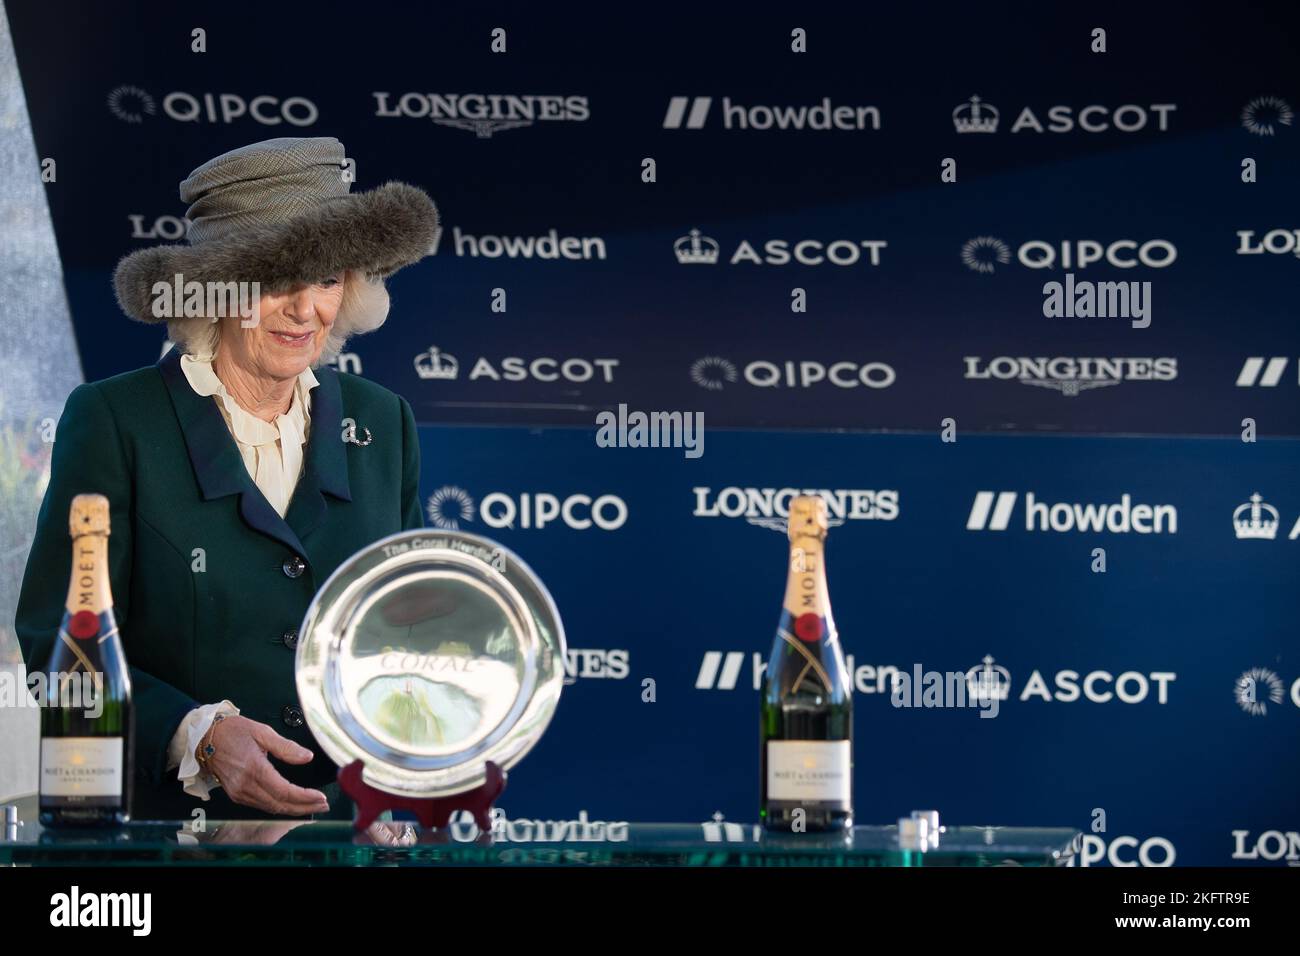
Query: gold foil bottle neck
x=808, y=518
x=88, y=515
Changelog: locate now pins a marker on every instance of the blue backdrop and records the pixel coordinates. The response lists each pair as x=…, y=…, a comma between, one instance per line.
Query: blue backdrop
x=924, y=302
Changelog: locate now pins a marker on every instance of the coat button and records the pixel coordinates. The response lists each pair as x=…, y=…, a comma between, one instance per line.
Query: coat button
x=294, y=567
x=291, y=716
x=290, y=638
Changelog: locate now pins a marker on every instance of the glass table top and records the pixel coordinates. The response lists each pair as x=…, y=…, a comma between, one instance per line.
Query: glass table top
x=523, y=842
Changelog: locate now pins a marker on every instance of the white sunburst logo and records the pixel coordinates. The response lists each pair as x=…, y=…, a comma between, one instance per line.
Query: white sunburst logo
x=983, y=252
x=1261, y=113
x=712, y=373
x=449, y=506
x=131, y=104
x=1255, y=688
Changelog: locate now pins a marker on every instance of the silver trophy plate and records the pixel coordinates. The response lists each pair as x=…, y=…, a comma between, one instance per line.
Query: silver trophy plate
x=427, y=654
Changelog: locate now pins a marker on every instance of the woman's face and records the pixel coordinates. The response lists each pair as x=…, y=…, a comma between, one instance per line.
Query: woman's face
x=291, y=332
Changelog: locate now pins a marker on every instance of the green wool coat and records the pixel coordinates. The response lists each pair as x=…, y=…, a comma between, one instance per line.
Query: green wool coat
x=220, y=623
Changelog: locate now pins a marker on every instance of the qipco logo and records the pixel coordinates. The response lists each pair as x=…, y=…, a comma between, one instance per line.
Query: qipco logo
x=808, y=374
x=229, y=107
x=1081, y=253
x=1092, y=850
x=538, y=509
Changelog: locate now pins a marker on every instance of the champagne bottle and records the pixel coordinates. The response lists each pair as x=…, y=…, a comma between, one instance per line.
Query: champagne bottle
x=86, y=723
x=806, y=737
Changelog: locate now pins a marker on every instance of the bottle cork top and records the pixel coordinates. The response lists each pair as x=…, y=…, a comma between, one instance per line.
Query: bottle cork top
x=88, y=515
x=808, y=517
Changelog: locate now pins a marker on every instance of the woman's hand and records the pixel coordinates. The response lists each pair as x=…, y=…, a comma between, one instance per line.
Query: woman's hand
x=247, y=776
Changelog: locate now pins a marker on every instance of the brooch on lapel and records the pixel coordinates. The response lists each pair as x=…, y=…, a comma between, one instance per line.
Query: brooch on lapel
x=350, y=434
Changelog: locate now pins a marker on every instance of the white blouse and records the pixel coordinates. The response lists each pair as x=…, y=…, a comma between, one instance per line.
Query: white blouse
x=273, y=454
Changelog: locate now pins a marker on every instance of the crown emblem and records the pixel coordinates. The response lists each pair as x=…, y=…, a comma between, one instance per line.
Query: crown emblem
x=435, y=364
x=1255, y=526
x=988, y=682
x=695, y=249
x=975, y=116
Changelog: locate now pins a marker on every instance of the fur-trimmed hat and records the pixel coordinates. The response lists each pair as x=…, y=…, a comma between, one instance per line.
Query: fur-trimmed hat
x=279, y=212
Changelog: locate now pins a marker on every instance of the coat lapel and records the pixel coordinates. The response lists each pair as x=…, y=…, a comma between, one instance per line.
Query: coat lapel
x=220, y=469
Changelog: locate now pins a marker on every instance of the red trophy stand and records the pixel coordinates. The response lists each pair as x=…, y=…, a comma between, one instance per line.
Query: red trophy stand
x=430, y=811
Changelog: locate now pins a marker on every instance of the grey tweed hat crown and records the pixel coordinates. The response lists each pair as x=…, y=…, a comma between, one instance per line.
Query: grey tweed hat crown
x=280, y=212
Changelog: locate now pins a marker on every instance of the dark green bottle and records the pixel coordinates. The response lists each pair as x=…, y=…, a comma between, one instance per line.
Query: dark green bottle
x=86, y=730
x=806, y=737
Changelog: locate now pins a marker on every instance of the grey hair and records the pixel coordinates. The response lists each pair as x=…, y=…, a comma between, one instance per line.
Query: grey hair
x=363, y=308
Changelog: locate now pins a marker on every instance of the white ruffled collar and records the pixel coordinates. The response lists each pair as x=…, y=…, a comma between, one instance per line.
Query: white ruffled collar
x=246, y=426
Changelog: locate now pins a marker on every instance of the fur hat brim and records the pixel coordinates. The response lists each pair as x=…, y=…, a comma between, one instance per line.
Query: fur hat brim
x=379, y=232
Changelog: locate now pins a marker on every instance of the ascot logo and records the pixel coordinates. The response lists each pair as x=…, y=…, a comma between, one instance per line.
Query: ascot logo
x=484, y=113
x=985, y=253
x=992, y=511
x=1070, y=376
x=1249, y=375
x=1264, y=114
x=976, y=116
x=1256, y=688
x=770, y=507
x=695, y=249
x=1279, y=242
x=713, y=372
x=692, y=112
x=548, y=246
x=440, y=366
x=1250, y=520
x=132, y=104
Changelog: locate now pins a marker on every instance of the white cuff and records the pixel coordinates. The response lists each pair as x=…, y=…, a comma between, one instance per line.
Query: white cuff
x=180, y=752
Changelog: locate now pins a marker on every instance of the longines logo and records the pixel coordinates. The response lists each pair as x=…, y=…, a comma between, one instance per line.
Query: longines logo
x=977, y=116
x=436, y=365
x=715, y=373
x=697, y=249
x=1264, y=114
x=1277, y=241
x=594, y=663
x=1271, y=845
x=1070, y=376
x=692, y=112
x=986, y=253
x=484, y=113
x=992, y=511
x=770, y=507
x=169, y=228
x=131, y=104
x=449, y=507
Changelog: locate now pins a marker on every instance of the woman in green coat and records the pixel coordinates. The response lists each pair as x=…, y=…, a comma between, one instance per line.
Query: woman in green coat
x=241, y=471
